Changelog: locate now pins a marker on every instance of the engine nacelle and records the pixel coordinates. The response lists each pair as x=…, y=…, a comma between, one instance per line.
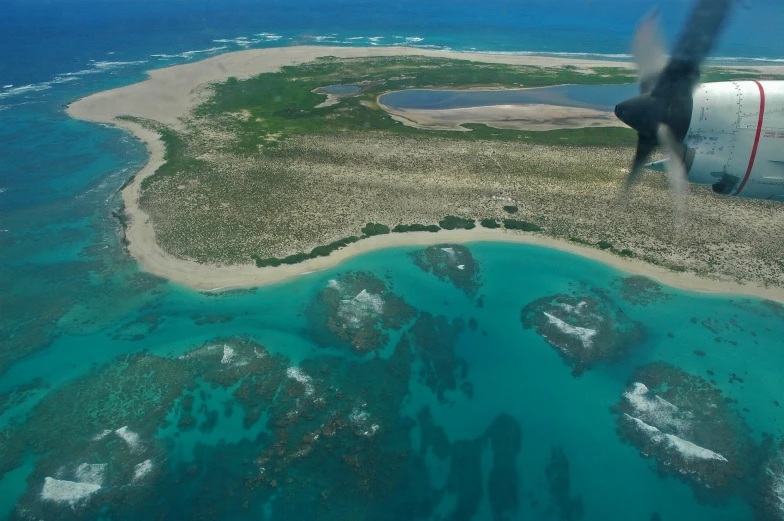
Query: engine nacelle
x=736, y=138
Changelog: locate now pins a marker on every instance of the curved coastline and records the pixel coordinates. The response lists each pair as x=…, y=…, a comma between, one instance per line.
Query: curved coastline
x=168, y=94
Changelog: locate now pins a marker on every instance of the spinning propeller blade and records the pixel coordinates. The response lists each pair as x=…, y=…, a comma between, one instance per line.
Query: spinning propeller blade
x=661, y=114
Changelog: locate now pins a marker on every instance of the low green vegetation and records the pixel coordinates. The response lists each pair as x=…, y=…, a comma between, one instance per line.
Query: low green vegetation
x=510, y=209
x=403, y=228
x=371, y=229
x=324, y=251
x=490, y=223
x=451, y=222
x=176, y=150
x=513, y=224
x=604, y=245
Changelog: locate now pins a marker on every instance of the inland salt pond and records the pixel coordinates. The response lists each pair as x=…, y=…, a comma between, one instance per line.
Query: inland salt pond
x=596, y=97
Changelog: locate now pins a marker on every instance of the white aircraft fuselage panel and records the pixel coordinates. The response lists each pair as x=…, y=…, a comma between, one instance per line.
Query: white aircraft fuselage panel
x=736, y=138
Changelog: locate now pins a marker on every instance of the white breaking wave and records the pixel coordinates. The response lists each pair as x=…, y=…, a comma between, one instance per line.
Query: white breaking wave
x=130, y=437
x=189, y=55
x=584, y=334
x=141, y=470
x=687, y=449
x=96, y=67
x=297, y=374
x=70, y=492
x=777, y=488
x=360, y=419
x=352, y=311
x=101, y=435
x=655, y=410
x=16, y=91
x=333, y=284
x=91, y=473
x=375, y=302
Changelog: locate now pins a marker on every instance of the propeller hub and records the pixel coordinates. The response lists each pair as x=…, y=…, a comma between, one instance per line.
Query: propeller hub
x=642, y=113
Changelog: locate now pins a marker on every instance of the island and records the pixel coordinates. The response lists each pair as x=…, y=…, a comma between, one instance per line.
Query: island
x=269, y=163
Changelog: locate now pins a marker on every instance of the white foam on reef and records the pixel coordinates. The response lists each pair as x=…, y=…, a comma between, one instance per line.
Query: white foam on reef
x=101, y=435
x=777, y=488
x=130, y=437
x=573, y=309
x=650, y=429
x=360, y=420
x=689, y=451
x=352, y=311
x=91, y=473
x=450, y=251
x=141, y=470
x=461, y=266
x=655, y=410
x=70, y=492
x=374, y=302
x=297, y=374
x=584, y=334
x=333, y=284
x=228, y=354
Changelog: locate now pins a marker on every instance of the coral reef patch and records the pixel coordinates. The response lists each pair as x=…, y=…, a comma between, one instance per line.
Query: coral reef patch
x=453, y=263
x=355, y=310
x=585, y=329
x=685, y=424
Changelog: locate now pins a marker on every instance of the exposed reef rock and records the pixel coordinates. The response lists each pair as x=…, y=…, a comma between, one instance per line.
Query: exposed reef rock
x=453, y=263
x=434, y=339
x=558, y=477
x=685, y=424
x=641, y=291
x=585, y=329
x=354, y=310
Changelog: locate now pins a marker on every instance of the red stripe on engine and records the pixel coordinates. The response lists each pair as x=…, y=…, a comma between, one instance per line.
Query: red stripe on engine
x=756, y=138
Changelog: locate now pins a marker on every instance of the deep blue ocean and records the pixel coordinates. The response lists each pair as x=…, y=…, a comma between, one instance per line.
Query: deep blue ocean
x=123, y=396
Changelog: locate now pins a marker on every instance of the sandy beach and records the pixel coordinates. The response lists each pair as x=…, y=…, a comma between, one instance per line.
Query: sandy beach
x=170, y=93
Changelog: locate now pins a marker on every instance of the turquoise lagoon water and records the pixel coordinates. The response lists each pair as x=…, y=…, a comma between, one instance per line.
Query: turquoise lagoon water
x=512, y=371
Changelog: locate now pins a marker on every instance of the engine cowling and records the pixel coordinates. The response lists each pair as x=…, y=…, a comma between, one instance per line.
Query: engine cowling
x=736, y=138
